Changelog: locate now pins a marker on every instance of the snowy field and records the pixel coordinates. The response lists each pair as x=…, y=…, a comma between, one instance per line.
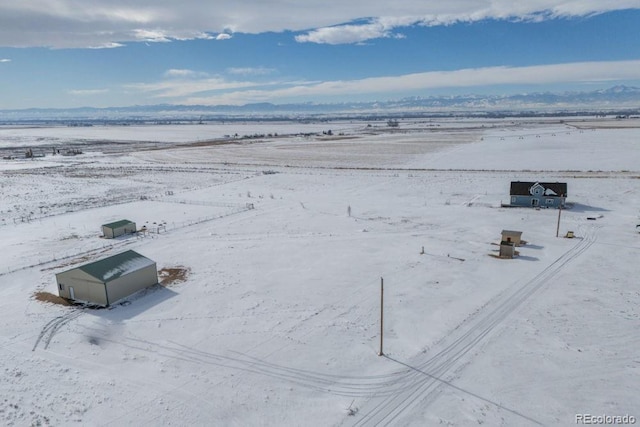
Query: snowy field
x=42, y=139
x=285, y=238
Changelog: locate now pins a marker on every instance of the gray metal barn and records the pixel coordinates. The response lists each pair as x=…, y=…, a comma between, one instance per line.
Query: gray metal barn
x=108, y=280
x=118, y=228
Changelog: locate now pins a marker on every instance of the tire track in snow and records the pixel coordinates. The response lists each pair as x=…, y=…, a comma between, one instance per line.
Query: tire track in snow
x=52, y=327
x=399, y=389
x=427, y=376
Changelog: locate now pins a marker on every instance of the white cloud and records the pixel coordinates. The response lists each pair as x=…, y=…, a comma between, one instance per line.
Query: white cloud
x=110, y=45
x=182, y=73
x=177, y=88
x=87, y=92
x=2, y=60
x=151, y=35
x=103, y=23
x=345, y=34
x=247, y=92
x=251, y=71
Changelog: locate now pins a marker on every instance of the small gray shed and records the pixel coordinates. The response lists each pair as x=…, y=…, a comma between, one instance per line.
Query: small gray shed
x=118, y=228
x=507, y=249
x=108, y=280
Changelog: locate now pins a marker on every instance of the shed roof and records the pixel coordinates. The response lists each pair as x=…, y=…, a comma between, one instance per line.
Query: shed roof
x=116, y=266
x=519, y=233
x=118, y=224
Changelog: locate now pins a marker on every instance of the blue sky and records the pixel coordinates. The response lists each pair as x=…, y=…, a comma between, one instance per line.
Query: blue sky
x=72, y=53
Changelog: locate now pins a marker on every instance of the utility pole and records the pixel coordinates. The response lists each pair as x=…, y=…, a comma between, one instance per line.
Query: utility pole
x=559, y=212
x=380, y=353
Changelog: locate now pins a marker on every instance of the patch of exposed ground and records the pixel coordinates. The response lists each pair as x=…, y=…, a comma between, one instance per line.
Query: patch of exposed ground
x=173, y=275
x=49, y=297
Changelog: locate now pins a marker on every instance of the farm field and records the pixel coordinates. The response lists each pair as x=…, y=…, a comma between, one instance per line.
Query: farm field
x=282, y=239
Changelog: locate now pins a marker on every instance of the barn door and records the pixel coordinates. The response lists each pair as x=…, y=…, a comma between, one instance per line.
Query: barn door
x=72, y=294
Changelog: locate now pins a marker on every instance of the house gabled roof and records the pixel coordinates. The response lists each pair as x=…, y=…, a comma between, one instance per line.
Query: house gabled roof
x=118, y=224
x=551, y=189
x=116, y=266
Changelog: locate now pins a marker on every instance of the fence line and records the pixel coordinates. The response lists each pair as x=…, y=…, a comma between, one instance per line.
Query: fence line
x=163, y=229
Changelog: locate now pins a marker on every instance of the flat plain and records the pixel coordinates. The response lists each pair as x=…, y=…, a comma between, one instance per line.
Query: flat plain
x=282, y=232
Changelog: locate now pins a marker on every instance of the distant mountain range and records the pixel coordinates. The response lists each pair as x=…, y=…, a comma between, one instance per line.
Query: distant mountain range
x=615, y=100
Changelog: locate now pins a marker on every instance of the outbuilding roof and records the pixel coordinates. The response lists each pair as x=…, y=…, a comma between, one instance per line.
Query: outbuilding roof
x=518, y=233
x=118, y=224
x=116, y=266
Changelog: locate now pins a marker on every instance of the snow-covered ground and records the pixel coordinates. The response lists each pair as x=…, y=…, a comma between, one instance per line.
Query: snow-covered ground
x=286, y=240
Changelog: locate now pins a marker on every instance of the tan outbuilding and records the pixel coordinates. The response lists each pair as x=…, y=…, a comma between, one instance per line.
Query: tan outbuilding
x=514, y=237
x=108, y=280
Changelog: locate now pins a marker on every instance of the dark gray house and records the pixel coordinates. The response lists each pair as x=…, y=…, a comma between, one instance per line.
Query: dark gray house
x=538, y=194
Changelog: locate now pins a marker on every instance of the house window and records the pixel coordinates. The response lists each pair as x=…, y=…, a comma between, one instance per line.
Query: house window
x=61, y=286
x=549, y=201
x=513, y=200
